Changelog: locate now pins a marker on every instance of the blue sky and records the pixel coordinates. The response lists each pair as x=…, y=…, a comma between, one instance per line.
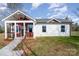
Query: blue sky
x=47, y=10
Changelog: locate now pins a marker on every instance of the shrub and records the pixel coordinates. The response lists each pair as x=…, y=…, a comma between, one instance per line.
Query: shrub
x=1, y=30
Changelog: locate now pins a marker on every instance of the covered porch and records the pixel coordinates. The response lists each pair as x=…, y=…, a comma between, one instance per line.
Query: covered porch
x=15, y=29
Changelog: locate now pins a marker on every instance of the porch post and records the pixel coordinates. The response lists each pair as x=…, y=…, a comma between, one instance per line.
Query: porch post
x=5, y=30
x=15, y=29
x=24, y=28
x=11, y=30
x=34, y=36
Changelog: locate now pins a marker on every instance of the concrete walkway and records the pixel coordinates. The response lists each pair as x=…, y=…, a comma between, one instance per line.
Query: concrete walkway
x=8, y=50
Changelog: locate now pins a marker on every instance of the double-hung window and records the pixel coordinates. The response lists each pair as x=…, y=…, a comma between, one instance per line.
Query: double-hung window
x=43, y=28
x=62, y=28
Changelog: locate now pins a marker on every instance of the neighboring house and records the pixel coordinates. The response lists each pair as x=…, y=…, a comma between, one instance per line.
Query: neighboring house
x=18, y=24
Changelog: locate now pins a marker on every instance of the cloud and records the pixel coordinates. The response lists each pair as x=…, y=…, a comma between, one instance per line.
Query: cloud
x=62, y=9
x=55, y=15
x=38, y=17
x=75, y=19
x=3, y=6
x=35, y=5
x=48, y=14
x=3, y=10
x=55, y=5
x=58, y=10
x=25, y=10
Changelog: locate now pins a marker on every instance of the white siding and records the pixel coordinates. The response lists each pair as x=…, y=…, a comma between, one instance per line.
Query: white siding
x=51, y=30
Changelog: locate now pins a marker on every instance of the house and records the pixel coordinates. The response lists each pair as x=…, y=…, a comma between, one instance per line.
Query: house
x=18, y=24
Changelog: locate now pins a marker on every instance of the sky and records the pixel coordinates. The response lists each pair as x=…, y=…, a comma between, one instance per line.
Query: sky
x=45, y=10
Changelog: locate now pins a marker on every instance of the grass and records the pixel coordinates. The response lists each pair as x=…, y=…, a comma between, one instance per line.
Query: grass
x=55, y=46
x=48, y=46
x=51, y=46
x=1, y=39
x=75, y=33
x=1, y=36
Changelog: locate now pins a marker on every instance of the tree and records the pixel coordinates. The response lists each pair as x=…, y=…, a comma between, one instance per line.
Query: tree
x=75, y=27
x=1, y=30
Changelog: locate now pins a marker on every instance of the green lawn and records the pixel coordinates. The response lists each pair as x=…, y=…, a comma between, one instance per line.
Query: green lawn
x=1, y=39
x=55, y=46
x=50, y=46
x=75, y=33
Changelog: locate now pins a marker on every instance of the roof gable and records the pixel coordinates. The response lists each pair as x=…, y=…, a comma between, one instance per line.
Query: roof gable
x=16, y=12
x=54, y=20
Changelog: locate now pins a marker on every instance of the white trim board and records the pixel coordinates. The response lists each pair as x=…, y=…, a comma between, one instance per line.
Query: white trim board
x=19, y=22
x=53, y=19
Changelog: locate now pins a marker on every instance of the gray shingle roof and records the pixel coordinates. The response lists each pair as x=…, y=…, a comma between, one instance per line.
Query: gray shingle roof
x=61, y=20
x=42, y=20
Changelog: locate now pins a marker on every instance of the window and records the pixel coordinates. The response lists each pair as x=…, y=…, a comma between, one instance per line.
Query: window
x=63, y=28
x=30, y=27
x=43, y=28
x=17, y=29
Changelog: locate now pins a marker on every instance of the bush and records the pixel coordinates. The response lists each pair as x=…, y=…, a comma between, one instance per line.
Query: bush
x=1, y=30
x=75, y=27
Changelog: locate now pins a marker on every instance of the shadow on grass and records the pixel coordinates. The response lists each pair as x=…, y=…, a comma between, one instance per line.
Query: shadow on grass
x=30, y=49
x=74, y=36
x=74, y=40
